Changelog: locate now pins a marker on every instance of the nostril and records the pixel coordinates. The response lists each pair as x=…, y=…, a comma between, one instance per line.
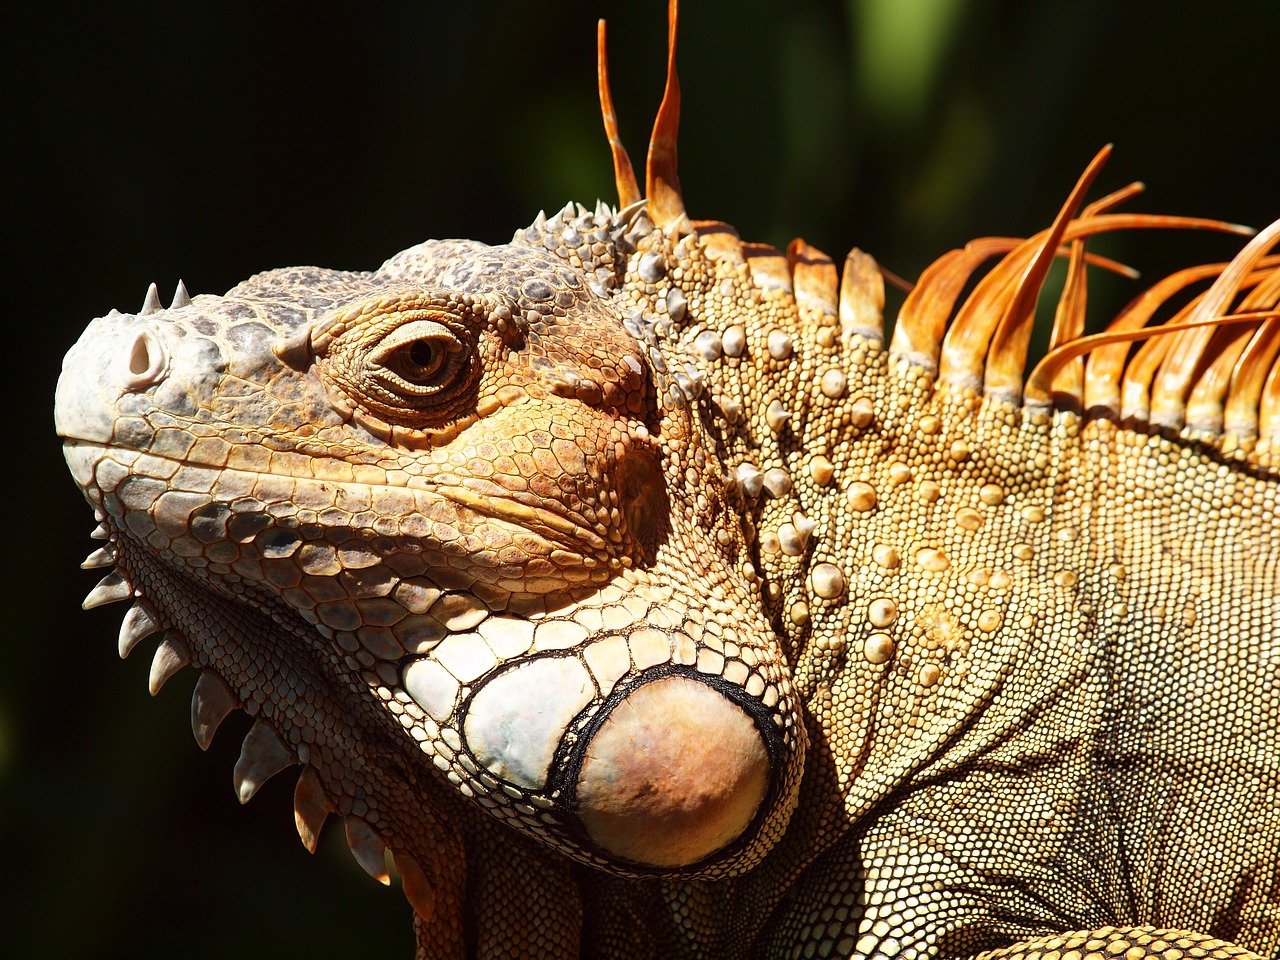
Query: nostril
x=146, y=361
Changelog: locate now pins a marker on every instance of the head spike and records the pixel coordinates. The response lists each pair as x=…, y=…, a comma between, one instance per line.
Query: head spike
x=151, y=303
x=666, y=205
x=623, y=173
x=180, y=297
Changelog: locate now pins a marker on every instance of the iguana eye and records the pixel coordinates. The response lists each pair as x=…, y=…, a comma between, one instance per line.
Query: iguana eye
x=414, y=368
x=418, y=358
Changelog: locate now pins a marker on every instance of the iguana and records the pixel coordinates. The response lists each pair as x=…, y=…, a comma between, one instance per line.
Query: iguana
x=626, y=586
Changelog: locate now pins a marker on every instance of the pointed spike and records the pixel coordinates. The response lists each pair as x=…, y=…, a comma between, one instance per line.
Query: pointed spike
x=750, y=478
x=1106, y=361
x=1007, y=355
x=1244, y=397
x=180, y=297
x=1068, y=324
x=368, y=849
x=630, y=212
x=1068, y=319
x=776, y=415
x=974, y=334
x=1206, y=402
x=110, y=589
x=102, y=557
x=1240, y=417
x=417, y=888
x=1180, y=367
x=804, y=527
x=211, y=701
x=1230, y=281
x=624, y=174
x=1097, y=343
x=1269, y=409
x=918, y=334
x=861, y=297
x=310, y=808
x=1115, y=198
x=100, y=532
x=813, y=278
x=1194, y=378
x=666, y=205
x=171, y=656
x=152, y=302
x=137, y=624
x=262, y=756
x=1135, y=384
x=296, y=350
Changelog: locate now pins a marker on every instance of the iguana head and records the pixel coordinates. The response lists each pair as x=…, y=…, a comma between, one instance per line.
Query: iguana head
x=471, y=492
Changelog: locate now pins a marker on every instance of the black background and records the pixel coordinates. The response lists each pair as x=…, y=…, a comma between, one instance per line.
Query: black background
x=208, y=141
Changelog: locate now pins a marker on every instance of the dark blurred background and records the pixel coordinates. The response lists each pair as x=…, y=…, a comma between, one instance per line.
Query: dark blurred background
x=152, y=141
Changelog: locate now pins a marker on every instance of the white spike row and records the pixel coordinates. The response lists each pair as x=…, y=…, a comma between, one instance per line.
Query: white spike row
x=211, y=701
x=262, y=756
x=138, y=623
x=104, y=556
x=368, y=849
x=100, y=532
x=171, y=656
x=311, y=808
x=180, y=297
x=110, y=589
x=151, y=304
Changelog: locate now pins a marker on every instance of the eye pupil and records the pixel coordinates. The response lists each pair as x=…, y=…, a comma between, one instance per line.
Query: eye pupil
x=421, y=353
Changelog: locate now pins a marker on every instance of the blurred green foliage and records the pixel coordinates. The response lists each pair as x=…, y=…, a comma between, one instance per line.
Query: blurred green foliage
x=152, y=141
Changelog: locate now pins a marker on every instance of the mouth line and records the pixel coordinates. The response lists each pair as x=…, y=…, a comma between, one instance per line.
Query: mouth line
x=556, y=528
x=551, y=525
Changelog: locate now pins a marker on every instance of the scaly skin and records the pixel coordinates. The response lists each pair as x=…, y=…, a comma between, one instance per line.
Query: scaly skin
x=630, y=589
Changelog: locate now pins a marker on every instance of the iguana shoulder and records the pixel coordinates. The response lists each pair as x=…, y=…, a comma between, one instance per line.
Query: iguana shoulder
x=630, y=557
